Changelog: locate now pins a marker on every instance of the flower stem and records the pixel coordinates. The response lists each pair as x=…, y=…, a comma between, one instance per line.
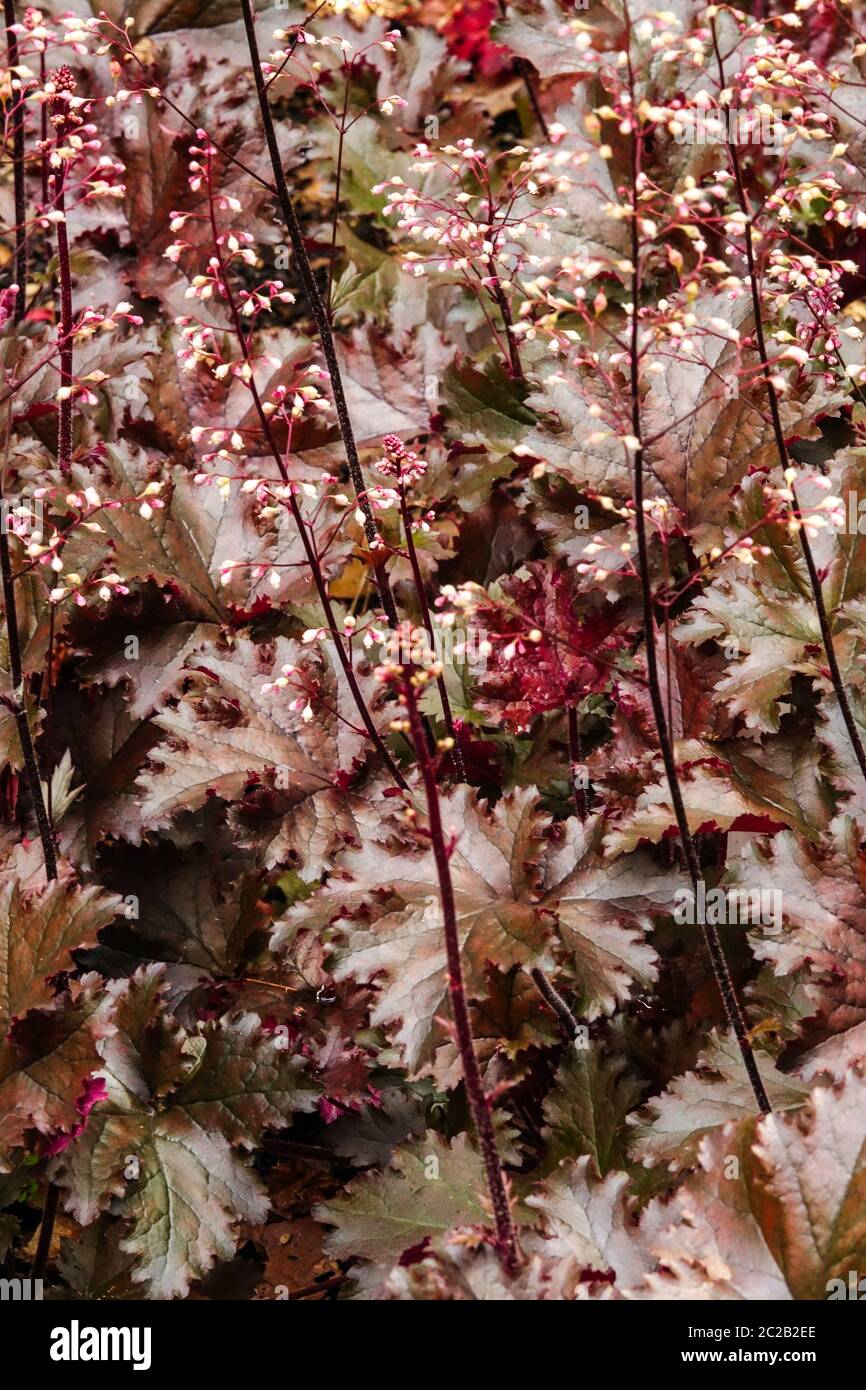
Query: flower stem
x=16, y=701
x=501, y=299
x=338, y=183
x=552, y=997
x=727, y=990
x=525, y=70
x=43, y=136
x=46, y=1230
x=505, y=310
x=779, y=437
x=17, y=696
x=456, y=755
x=64, y=422
x=16, y=121
x=479, y=1106
x=303, y=530
x=320, y=316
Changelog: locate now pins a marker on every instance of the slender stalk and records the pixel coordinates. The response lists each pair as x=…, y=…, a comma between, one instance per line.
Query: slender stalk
x=44, y=165
x=46, y=1230
x=303, y=530
x=46, y=833
x=292, y=1148
x=46, y=698
x=529, y=83
x=552, y=997
x=64, y=425
x=779, y=436
x=479, y=1106
x=525, y=70
x=727, y=990
x=16, y=701
x=320, y=317
x=505, y=310
x=323, y=1286
x=17, y=697
x=43, y=136
x=16, y=121
x=43, y=820
x=64, y=121
x=456, y=755
x=502, y=300
x=335, y=220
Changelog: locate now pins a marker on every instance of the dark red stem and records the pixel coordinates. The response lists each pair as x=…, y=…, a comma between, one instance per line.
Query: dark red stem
x=303, y=530
x=727, y=990
x=17, y=702
x=779, y=437
x=525, y=70
x=479, y=1106
x=46, y=1230
x=64, y=421
x=552, y=997
x=320, y=317
x=501, y=299
x=456, y=755
x=16, y=121
x=335, y=220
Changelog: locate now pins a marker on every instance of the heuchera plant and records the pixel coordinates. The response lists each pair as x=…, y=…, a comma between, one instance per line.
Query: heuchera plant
x=432, y=694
